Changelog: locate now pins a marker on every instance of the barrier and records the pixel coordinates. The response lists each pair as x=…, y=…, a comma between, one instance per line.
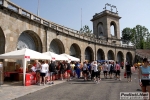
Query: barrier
x=30, y=79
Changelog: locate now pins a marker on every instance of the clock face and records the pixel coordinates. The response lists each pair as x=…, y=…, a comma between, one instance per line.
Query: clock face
x=21, y=45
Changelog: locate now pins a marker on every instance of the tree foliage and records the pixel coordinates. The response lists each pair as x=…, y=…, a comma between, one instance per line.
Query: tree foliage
x=126, y=35
x=139, y=36
x=85, y=30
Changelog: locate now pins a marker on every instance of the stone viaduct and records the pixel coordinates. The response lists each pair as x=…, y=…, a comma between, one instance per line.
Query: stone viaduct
x=22, y=29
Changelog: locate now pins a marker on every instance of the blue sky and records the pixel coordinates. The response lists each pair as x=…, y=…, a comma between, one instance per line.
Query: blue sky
x=68, y=12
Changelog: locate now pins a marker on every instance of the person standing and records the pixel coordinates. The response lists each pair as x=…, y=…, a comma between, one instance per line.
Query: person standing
x=105, y=69
x=95, y=72
x=92, y=70
x=128, y=71
x=85, y=70
x=38, y=69
x=72, y=65
x=43, y=71
x=52, y=70
x=68, y=68
x=144, y=73
x=122, y=64
x=118, y=71
x=78, y=69
x=61, y=69
x=111, y=69
x=99, y=67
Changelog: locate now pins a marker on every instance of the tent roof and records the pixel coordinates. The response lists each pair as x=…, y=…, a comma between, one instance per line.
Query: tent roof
x=20, y=54
x=55, y=56
x=71, y=57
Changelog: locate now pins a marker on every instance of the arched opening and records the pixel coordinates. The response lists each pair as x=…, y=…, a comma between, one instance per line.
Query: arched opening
x=113, y=29
x=110, y=55
x=120, y=57
x=100, y=29
x=57, y=46
x=129, y=57
x=29, y=39
x=75, y=50
x=89, y=54
x=2, y=42
x=100, y=54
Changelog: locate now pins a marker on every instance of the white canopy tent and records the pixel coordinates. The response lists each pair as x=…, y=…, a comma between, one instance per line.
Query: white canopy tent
x=55, y=56
x=25, y=55
x=70, y=58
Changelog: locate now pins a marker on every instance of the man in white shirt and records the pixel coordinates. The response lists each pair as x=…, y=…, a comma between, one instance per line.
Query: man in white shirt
x=105, y=69
x=44, y=69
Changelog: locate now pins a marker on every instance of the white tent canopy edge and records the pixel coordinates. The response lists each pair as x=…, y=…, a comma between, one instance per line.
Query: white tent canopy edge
x=23, y=54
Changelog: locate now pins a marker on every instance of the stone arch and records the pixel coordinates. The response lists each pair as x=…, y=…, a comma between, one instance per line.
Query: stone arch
x=57, y=46
x=110, y=55
x=113, y=24
x=2, y=42
x=120, y=57
x=100, y=54
x=100, y=29
x=129, y=57
x=89, y=54
x=75, y=50
x=29, y=39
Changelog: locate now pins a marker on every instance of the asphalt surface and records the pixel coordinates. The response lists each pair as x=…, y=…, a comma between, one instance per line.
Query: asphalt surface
x=78, y=89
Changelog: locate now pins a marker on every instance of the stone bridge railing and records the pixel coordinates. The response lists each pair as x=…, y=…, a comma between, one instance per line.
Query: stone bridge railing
x=88, y=37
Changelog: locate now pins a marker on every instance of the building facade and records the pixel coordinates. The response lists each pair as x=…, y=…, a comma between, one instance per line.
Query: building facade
x=22, y=29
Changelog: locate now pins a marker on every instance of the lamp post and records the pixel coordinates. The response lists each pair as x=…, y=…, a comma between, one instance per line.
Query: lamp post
x=38, y=7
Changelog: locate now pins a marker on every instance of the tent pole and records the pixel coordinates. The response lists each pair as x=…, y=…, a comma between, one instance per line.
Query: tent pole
x=24, y=70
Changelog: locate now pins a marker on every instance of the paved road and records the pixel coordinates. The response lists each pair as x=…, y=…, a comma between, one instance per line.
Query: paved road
x=107, y=89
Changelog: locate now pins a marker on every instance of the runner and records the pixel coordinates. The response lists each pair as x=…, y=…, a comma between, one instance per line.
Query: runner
x=144, y=73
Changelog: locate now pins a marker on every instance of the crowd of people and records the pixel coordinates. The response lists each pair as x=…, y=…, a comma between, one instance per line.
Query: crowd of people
x=90, y=71
x=45, y=70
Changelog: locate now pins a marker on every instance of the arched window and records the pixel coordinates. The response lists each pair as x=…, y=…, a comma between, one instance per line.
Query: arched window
x=100, y=29
x=113, y=29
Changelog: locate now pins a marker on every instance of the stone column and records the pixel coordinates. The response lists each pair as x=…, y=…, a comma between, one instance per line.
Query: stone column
x=5, y=3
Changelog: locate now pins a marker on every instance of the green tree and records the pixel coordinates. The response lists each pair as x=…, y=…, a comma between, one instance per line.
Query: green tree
x=140, y=37
x=85, y=30
x=126, y=35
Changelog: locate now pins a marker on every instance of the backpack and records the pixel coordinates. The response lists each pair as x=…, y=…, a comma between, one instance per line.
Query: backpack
x=52, y=67
x=112, y=67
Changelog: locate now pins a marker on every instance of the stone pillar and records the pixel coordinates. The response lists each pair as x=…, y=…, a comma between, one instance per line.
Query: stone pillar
x=5, y=3
x=106, y=57
x=20, y=11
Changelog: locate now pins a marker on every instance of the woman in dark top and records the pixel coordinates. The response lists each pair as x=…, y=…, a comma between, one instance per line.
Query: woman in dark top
x=128, y=71
x=61, y=69
x=68, y=68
